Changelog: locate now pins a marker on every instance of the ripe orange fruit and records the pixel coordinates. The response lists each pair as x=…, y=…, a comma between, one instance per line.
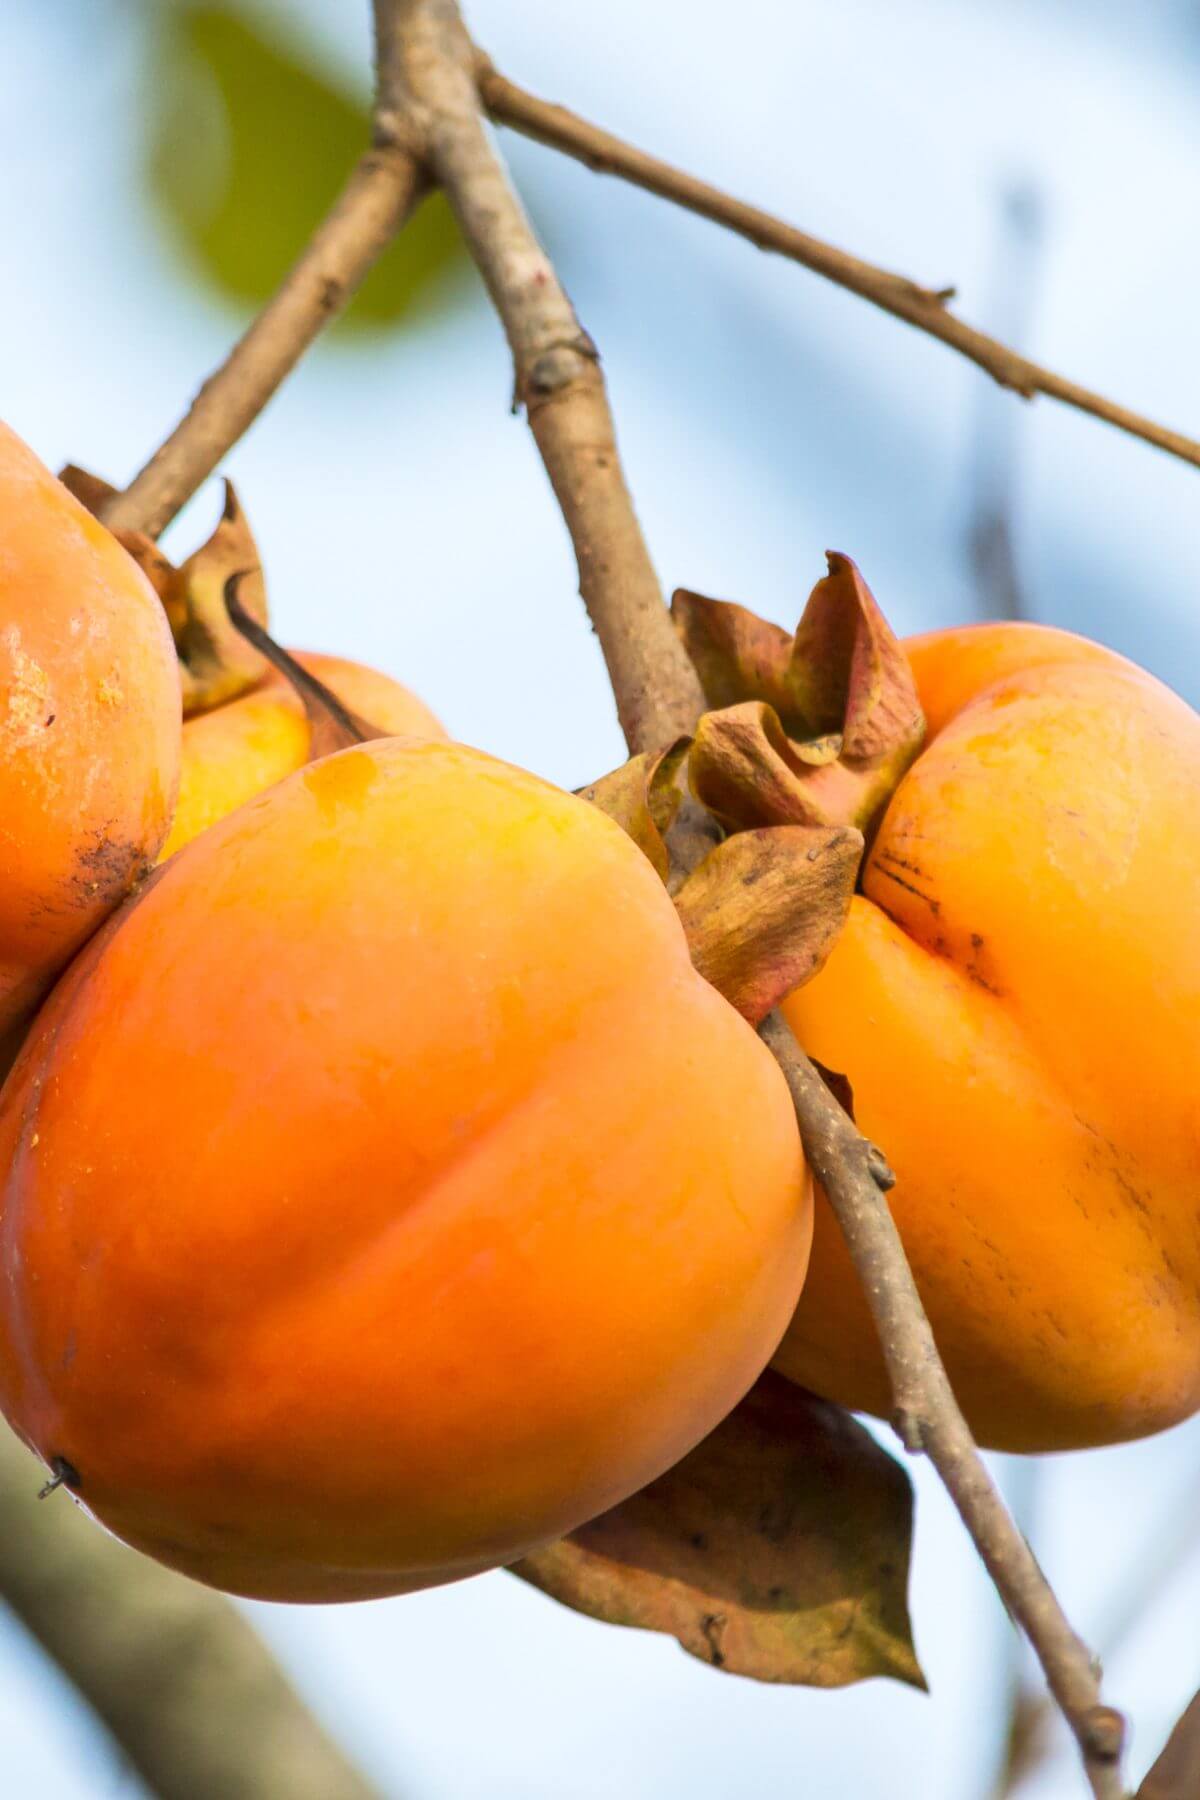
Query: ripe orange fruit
x=1016, y=1001
x=238, y=749
x=89, y=727
x=385, y=1193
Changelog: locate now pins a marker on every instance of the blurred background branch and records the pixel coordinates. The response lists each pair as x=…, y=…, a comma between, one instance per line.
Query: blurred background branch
x=992, y=453
x=181, y=1681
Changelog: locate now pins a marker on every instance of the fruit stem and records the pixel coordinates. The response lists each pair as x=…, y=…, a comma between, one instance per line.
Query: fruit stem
x=332, y=724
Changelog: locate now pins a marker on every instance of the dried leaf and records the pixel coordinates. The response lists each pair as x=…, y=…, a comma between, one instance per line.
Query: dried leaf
x=642, y=796
x=90, y=490
x=737, y=655
x=93, y=491
x=848, y=672
x=817, y=728
x=219, y=662
x=765, y=908
x=746, y=770
x=778, y=1549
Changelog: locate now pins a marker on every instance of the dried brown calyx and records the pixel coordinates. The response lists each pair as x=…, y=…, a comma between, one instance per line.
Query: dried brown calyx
x=812, y=728
x=764, y=908
x=216, y=662
x=807, y=737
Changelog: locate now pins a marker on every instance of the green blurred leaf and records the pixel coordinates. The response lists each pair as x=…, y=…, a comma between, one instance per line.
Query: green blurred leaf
x=249, y=146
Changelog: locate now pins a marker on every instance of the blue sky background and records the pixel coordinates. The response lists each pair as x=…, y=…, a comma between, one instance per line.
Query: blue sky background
x=404, y=519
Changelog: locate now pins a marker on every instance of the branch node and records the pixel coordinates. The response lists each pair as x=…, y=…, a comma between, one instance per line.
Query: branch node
x=558, y=365
x=1102, y=1733
x=880, y=1170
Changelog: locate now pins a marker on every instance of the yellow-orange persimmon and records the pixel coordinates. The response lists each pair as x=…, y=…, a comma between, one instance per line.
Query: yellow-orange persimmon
x=89, y=727
x=1016, y=1001
x=238, y=749
x=385, y=1193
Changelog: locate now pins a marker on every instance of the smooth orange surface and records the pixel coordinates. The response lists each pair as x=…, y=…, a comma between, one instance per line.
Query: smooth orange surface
x=89, y=726
x=1016, y=1001
x=385, y=1192
x=237, y=750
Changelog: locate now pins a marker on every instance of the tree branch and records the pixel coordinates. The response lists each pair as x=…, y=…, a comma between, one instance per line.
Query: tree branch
x=573, y=428
x=427, y=116
x=1168, y=1547
x=922, y=307
x=926, y=1414
x=558, y=377
x=194, y=1699
x=383, y=190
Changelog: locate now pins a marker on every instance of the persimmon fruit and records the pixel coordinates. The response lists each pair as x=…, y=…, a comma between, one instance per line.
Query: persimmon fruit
x=236, y=750
x=89, y=728
x=1016, y=1002
x=384, y=1193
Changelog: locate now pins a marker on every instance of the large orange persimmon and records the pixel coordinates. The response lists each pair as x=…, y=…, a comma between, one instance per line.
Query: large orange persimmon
x=385, y=1193
x=89, y=727
x=1016, y=1001
x=238, y=749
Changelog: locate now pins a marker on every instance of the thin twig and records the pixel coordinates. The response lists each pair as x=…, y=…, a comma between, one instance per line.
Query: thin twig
x=1169, y=1547
x=184, y=1685
x=379, y=196
x=642, y=652
x=558, y=377
x=926, y=308
x=926, y=1415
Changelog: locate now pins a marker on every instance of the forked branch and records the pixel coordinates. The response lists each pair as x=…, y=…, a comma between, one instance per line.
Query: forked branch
x=428, y=123
x=558, y=376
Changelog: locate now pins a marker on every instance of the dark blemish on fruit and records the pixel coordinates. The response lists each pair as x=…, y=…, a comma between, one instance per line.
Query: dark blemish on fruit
x=901, y=862
x=982, y=980
x=935, y=906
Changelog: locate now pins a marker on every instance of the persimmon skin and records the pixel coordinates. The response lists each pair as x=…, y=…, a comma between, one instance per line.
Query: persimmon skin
x=89, y=727
x=239, y=749
x=386, y=1194
x=1016, y=1001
